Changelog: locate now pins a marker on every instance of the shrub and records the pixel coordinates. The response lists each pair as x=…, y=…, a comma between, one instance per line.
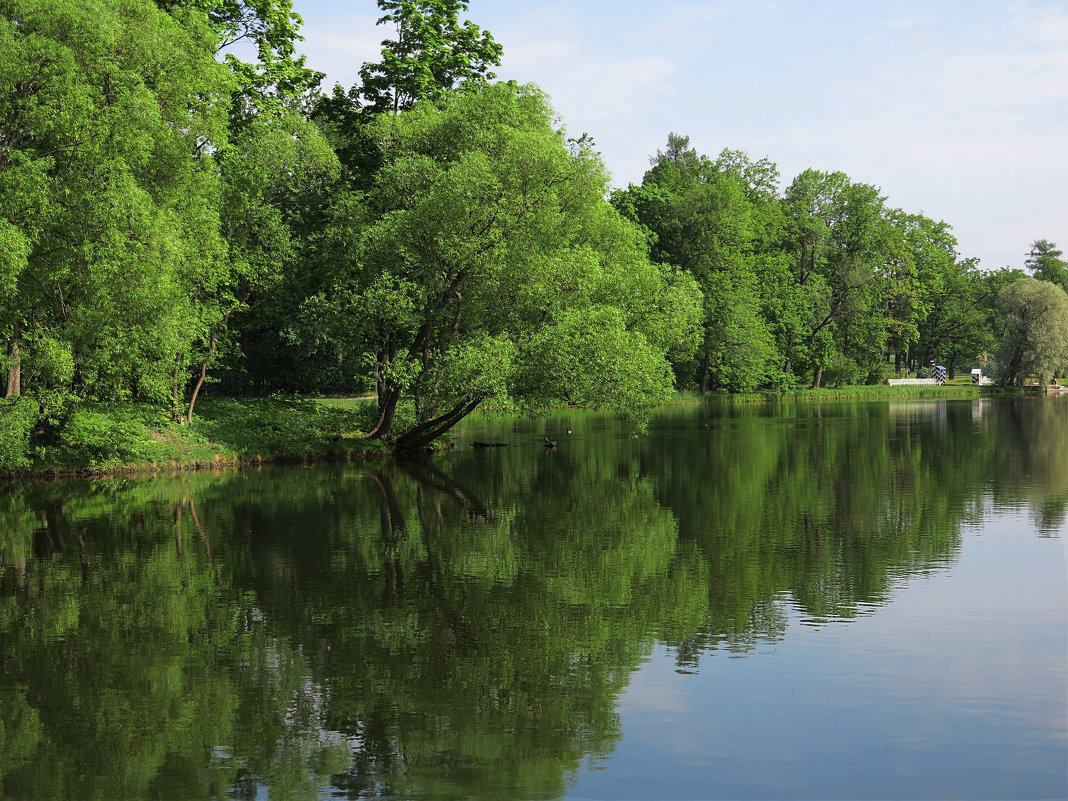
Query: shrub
x=841, y=372
x=102, y=438
x=878, y=373
x=17, y=419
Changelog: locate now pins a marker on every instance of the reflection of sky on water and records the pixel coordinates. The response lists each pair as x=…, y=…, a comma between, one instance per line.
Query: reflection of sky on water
x=957, y=688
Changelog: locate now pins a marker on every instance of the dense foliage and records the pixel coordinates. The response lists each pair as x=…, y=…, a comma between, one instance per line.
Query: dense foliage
x=820, y=283
x=171, y=215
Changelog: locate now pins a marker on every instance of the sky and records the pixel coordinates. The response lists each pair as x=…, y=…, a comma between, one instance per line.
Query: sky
x=957, y=109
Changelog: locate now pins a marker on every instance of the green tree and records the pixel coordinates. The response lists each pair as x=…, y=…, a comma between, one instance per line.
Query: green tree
x=271, y=162
x=1045, y=263
x=759, y=179
x=701, y=217
x=957, y=327
x=277, y=170
x=432, y=54
x=934, y=303
x=1034, y=339
x=278, y=78
x=839, y=239
x=146, y=190
x=485, y=263
x=109, y=194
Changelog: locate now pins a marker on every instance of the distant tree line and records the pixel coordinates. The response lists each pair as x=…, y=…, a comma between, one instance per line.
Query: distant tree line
x=821, y=283
x=172, y=216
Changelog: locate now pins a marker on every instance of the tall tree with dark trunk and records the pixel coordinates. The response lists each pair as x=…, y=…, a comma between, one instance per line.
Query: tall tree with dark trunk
x=485, y=262
x=1045, y=263
x=433, y=53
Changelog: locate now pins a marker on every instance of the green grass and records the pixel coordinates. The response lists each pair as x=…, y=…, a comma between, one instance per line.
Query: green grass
x=683, y=396
x=351, y=404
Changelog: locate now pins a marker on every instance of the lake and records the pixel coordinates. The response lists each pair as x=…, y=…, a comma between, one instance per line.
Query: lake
x=793, y=601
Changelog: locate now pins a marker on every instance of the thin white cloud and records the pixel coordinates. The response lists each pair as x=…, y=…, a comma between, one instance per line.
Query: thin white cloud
x=917, y=21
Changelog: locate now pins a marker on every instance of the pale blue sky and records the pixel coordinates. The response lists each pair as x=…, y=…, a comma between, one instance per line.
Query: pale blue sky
x=954, y=108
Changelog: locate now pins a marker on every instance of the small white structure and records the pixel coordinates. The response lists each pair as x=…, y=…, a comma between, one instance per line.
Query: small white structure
x=980, y=380
x=939, y=376
x=911, y=382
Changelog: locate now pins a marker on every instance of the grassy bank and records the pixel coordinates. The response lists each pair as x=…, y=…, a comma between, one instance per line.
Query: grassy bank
x=98, y=439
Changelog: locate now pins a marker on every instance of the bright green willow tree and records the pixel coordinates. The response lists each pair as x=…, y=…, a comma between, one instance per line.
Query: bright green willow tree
x=486, y=263
x=108, y=194
x=142, y=186
x=1035, y=337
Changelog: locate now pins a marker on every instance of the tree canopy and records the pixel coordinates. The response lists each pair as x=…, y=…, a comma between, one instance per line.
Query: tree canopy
x=109, y=193
x=1045, y=263
x=485, y=263
x=1035, y=337
x=432, y=54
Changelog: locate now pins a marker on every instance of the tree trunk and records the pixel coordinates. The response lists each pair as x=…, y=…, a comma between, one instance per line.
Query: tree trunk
x=379, y=389
x=387, y=405
x=14, y=372
x=387, y=391
x=817, y=378
x=425, y=433
x=704, y=372
x=203, y=374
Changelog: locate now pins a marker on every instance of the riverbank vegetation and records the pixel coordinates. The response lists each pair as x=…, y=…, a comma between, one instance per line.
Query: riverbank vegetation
x=99, y=438
x=178, y=225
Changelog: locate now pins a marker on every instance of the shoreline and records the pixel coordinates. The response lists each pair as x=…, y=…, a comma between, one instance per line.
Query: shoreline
x=237, y=434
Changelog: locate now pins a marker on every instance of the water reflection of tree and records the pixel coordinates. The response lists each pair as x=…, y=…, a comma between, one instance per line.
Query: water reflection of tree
x=1030, y=463
x=94, y=634
x=461, y=627
x=388, y=629
x=493, y=667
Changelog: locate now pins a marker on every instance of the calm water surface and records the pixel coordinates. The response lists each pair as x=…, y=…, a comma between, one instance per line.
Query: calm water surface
x=806, y=601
